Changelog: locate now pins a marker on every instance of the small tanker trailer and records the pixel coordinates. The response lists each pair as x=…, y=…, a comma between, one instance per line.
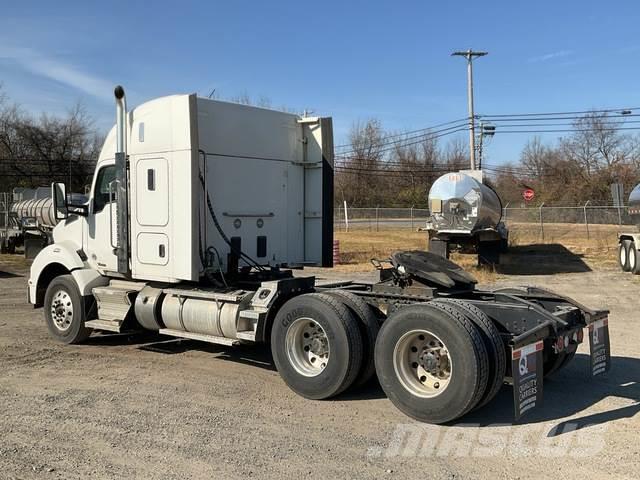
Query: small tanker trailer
x=628, y=242
x=466, y=215
x=30, y=224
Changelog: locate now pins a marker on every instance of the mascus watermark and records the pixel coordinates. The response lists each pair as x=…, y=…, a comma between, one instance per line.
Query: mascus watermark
x=548, y=440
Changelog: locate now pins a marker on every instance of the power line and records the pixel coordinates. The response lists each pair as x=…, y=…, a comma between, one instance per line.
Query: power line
x=414, y=139
x=410, y=132
x=567, y=130
x=399, y=174
x=583, y=112
x=608, y=118
x=612, y=125
x=387, y=149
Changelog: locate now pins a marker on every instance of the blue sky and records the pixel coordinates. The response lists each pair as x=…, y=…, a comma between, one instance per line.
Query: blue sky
x=351, y=60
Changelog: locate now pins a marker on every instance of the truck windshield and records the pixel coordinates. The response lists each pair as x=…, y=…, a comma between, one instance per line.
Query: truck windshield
x=106, y=175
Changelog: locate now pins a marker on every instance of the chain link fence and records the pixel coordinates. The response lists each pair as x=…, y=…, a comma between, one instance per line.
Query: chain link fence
x=534, y=217
x=377, y=218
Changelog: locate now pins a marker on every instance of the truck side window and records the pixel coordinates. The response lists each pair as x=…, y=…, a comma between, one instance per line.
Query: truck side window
x=106, y=175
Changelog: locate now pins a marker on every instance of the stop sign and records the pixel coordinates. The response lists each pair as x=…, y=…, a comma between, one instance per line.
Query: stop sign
x=528, y=194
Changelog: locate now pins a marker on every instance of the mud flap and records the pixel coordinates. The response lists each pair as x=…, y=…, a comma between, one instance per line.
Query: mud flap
x=527, y=370
x=600, y=347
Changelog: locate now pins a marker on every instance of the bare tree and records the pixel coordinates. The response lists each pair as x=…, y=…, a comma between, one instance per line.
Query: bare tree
x=456, y=154
x=37, y=151
x=359, y=182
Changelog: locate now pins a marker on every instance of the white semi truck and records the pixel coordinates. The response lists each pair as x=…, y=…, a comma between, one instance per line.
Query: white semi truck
x=198, y=212
x=629, y=242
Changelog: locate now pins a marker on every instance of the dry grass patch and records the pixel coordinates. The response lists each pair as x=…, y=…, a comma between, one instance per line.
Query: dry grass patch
x=358, y=247
x=565, y=248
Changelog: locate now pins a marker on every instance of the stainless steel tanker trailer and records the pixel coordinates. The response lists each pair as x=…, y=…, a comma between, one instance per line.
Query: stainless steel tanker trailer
x=200, y=211
x=30, y=223
x=466, y=216
x=629, y=242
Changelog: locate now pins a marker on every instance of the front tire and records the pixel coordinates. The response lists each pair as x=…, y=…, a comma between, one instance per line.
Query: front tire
x=64, y=311
x=316, y=345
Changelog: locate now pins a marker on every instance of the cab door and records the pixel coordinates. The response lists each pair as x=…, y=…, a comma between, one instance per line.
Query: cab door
x=101, y=221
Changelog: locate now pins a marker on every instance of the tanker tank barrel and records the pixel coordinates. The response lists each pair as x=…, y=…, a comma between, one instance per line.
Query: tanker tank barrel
x=460, y=202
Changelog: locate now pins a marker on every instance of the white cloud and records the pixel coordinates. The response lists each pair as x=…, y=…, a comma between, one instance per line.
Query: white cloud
x=66, y=74
x=551, y=56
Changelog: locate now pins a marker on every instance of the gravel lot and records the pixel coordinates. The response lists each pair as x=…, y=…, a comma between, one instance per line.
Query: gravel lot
x=153, y=407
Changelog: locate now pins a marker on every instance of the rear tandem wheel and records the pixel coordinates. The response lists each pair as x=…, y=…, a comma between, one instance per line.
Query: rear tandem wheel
x=316, y=345
x=431, y=362
x=369, y=328
x=493, y=343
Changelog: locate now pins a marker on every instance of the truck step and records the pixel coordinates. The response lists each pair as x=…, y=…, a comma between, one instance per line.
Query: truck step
x=109, y=325
x=114, y=300
x=249, y=336
x=199, y=336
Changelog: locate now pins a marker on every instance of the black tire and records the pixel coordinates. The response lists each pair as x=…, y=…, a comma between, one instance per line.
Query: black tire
x=493, y=344
x=469, y=362
x=489, y=253
x=634, y=267
x=567, y=359
x=623, y=255
x=369, y=327
x=504, y=245
x=480, y=346
x=344, y=343
x=553, y=363
x=63, y=301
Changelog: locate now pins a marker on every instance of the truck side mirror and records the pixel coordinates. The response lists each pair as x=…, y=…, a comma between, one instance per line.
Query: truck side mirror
x=59, y=196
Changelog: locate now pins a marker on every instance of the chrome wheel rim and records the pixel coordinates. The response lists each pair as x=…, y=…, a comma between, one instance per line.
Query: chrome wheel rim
x=422, y=363
x=623, y=255
x=307, y=347
x=632, y=258
x=62, y=310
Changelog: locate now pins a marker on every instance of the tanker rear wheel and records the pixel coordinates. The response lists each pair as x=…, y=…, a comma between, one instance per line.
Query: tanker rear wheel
x=489, y=253
x=316, y=345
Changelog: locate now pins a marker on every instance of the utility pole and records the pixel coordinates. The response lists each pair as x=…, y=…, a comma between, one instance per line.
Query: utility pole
x=470, y=55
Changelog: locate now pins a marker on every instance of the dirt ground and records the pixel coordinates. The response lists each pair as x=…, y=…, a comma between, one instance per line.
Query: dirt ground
x=153, y=407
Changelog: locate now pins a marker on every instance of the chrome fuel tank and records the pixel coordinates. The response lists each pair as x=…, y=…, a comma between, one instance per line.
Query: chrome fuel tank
x=458, y=202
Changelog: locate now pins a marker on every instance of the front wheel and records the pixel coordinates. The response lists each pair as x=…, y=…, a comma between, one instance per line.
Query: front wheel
x=64, y=311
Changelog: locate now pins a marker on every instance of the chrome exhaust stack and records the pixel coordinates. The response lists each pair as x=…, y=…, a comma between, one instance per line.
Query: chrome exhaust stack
x=121, y=120
x=122, y=244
